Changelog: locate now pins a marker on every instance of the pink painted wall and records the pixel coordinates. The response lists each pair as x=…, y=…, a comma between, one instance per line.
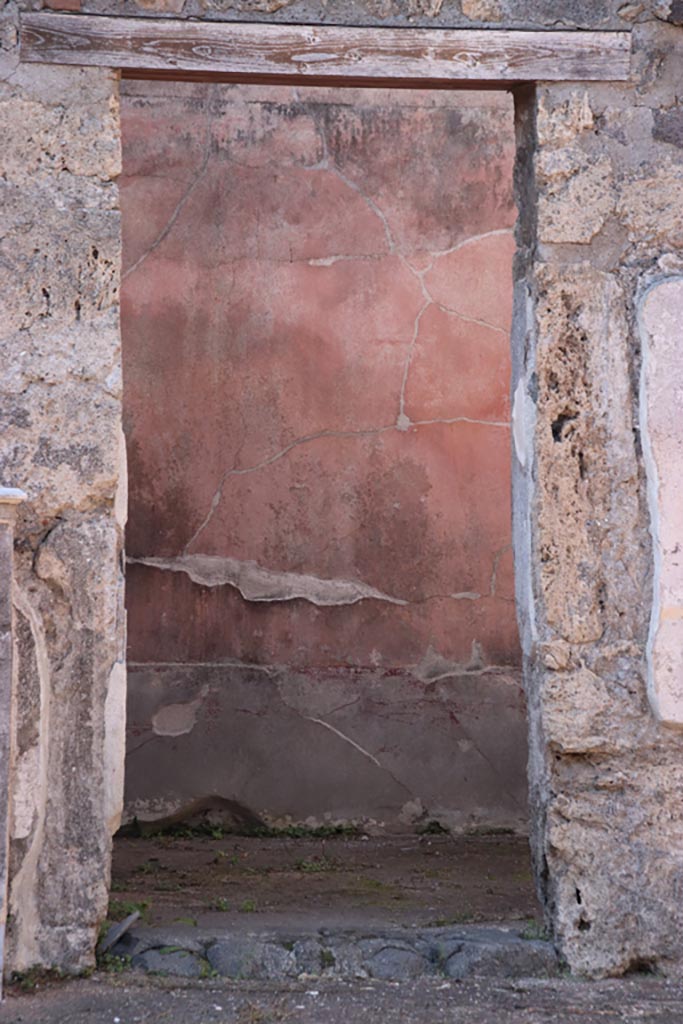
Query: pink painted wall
x=316, y=307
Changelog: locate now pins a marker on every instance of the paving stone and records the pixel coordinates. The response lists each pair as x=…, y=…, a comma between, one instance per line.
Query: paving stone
x=502, y=960
x=143, y=938
x=251, y=957
x=178, y=963
x=394, y=963
x=399, y=954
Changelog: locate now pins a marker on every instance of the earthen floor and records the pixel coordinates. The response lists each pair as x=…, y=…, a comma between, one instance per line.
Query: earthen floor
x=340, y=881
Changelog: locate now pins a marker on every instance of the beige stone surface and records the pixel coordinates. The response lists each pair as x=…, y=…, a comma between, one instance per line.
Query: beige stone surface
x=62, y=442
x=662, y=404
x=604, y=773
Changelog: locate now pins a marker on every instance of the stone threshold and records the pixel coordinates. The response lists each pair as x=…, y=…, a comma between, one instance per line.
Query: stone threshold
x=282, y=953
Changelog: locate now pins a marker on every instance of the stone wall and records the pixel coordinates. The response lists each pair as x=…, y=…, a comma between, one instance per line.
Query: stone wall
x=605, y=776
x=523, y=14
x=315, y=319
x=601, y=194
x=62, y=443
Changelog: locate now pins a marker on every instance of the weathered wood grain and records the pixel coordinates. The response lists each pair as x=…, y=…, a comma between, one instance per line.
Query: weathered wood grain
x=248, y=51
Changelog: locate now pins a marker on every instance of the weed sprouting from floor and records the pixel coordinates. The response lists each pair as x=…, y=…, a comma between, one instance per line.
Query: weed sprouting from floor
x=208, y=830
x=535, y=931
x=118, y=909
x=254, y=1014
x=247, y=907
x=113, y=964
x=221, y=904
x=462, y=917
x=327, y=959
x=35, y=977
x=316, y=865
x=432, y=828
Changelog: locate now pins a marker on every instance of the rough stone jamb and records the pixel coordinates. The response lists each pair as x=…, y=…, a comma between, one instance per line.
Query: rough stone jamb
x=600, y=188
x=10, y=498
x=63, y=443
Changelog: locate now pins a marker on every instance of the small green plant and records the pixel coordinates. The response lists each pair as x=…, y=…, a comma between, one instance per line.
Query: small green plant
x=118, y=909
x=315, y=866
x=534, y=931
x=206, y=971
x=327, y=959
x=221, y=904
x=34, y=977
x=373, y=884
x=113, y=964
x=305, y=832
x=148, y=867
x=490, y=830
x=273, y=1014
x=221, y=856
x=432, y=828
x=165, y=885
x=248, y=907
x=464, y=917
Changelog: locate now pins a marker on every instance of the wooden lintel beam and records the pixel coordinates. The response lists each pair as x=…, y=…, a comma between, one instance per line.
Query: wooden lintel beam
x=244, y=51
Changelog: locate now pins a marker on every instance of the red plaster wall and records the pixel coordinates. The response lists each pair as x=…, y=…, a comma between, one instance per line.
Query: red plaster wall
x=316, y=306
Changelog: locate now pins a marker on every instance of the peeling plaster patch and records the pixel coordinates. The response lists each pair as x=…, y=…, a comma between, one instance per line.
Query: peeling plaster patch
x=178, y=719
x=661, y=405
x=412, y=812
x=258, y=584
x=434, y=666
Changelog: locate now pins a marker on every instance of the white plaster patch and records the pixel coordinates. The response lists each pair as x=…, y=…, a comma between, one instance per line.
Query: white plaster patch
x=114, y=746
x=258, y=584
x=121, y=495
x=661, y=414
x=25, y=786
x=178, y=719
x=519, y=417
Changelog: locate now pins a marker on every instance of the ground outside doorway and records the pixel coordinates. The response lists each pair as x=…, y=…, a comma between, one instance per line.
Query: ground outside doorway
x=332, y=905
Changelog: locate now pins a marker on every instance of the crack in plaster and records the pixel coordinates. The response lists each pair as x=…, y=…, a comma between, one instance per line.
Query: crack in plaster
x=346, y=739
x=163, y=234
x=308, y=438
x=403, y=421
x=255, y=583
x=497, y=555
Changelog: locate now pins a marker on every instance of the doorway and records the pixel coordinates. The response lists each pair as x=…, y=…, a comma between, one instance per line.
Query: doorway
x=323, y=653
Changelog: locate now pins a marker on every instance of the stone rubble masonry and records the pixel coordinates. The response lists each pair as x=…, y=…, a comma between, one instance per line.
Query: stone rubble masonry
x=605, y=775
x=611, y=15
x=601, y=200
x=282, y=953
x=63, y=444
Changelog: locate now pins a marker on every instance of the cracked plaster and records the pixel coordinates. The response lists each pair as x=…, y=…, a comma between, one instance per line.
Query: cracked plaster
x=605, y=787
x=368, y=352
